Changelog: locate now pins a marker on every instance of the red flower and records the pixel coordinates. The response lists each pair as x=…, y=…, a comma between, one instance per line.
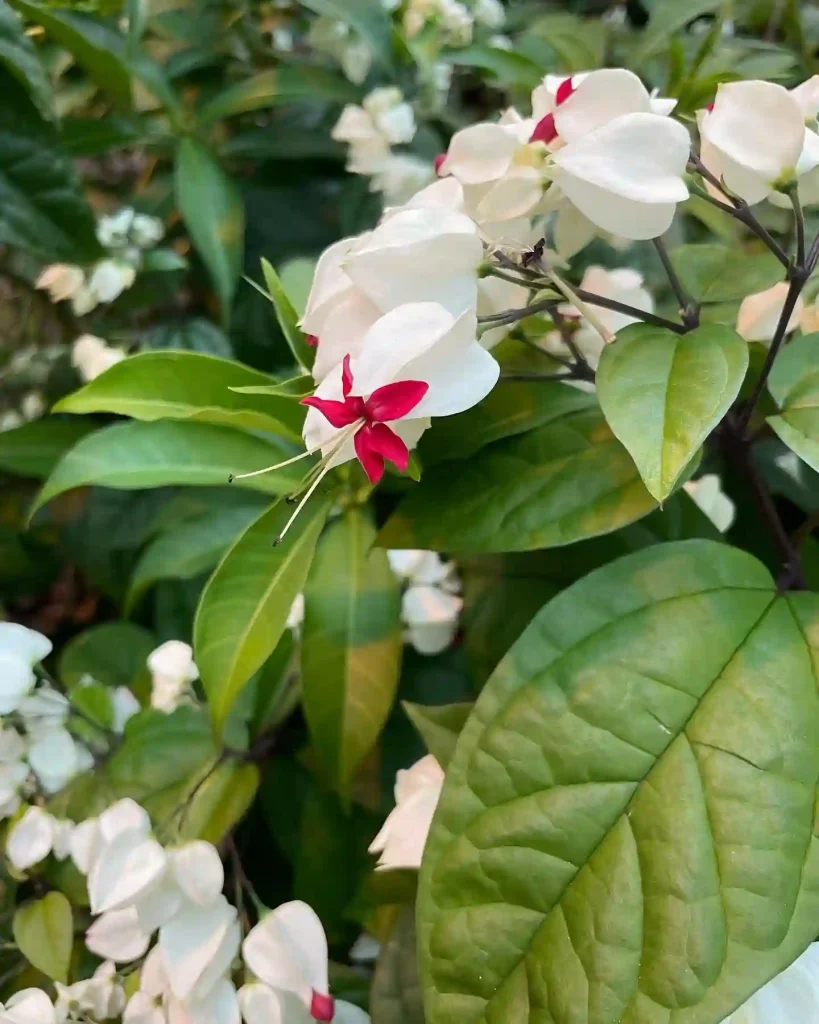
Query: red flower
x=374, y=441
x=545, y=130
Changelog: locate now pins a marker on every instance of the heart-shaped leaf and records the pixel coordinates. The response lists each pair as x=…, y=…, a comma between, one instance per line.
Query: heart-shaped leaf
x=626, y=828
x=794, y=383
x=663, y=393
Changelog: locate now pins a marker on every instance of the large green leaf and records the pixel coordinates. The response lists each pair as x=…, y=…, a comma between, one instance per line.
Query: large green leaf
x=244, y=607
x=667, y=18
x=187, y=386
x=278, y=85
x=663, y=393
x=396, y=992
x=626, y=828
x=113, y=653
x=439, y=726
x=18, y=54
x=288, y=318
x=507, y=66
x=35, y=448
x=794, y=383
x=191, y=548
x=510, y=408
x=220, y=802
x=193, y=335
x=130, y=456
x=717, y=273
x=44, y=931
x=214, y=215
x=560, y=483
x=95, y=46
x=351, y=646
x=42, y=208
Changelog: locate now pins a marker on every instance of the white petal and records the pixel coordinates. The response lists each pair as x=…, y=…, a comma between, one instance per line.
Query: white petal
x=142, y=1009
x=159, y=905
x=174, y=660
x=118, y=936
x=599, y=98
x=329, y=282
x=153, y=978
x=354, y=125
x=759, y=314
x=424, y=605
x=221, y=1006
x=126, y=870
x=757, y=125
x=482, y=152
x=431, y=638
x=402, y=839
x=31, y=1006
x=627, y=176
x=260, y=1005
x=16, y=680
x=496, y=296
x=516, y=194
x=53, y=759
x=198, y=945
x=397, y=339
x=572, y=230
x=348, y=1013
x=123, y=816
x=125, y=706
x=789, y=998
x=446, y=193
x=343, y=332
x=288, y=950
x=28, y=645
x=199, y=872
x=31, y=839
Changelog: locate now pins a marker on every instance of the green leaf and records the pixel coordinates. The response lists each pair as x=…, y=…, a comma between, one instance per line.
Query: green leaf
x=794, y=384
x=162, y=261
x=35, y=448
x=93, y=136
x=368, y=17
x=194, y=335
x=96, y=47
x=44, y=931
x=439, y=726
x=667, y=18
x=396, y=993
x=220, y=803
x=130, y=456
x=288, y=318
x=604, y=831
x=510, y=408
x=351, y=646
x=507, y=66
x=716, y=273
x=278, y=85
x=243, y=610
x=187, y=386
x=190, y=548
x=295, y=388
x=113, y=653
x=18, y=54
x=663, y=393
x=552, y=486
x=42, y=207
x=213, y=212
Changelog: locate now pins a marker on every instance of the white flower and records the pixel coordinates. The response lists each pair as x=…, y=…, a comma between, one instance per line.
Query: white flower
x=146, y=231
x=92, y=356
x=792, y=997
x=31, y=839
x=172, y=671
x=755, y=140
x=759, y=314
x=415, y=363
x=61, y=281
x=422, y=567
x=198, y=946
x=489, y=12
x=56, y=758
x=13, y=771
x=384, y=119
x=20, y=650
x=101, y=997
x=431, y=615
x=31, y=1006
x=287, y=951
x=709, y=496
x=295, y=616
x=44, y=710
x=125, y=870
x=124, y=706
x=110, y=278
x=403, y=836
x=401, y=176
x=113, y=230
x=118, y=936
x=33, y=405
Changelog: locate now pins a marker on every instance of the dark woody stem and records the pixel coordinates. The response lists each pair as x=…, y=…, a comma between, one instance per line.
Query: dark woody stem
x=513, y=315
x=689, y=311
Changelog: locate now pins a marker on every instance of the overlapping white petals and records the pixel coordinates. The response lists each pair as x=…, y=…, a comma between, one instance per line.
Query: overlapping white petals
x=401, y=841
x=287, y=950
x=20, y=650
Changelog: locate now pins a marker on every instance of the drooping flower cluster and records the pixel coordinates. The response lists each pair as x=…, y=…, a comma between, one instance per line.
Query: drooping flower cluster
x=125, y=235
x=37, y=747
x=430, y=605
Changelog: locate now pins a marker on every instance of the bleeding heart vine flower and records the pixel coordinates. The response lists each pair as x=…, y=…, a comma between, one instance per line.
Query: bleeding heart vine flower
x=402, y=839
x=20, y=650
x=287, y=952
x=759, y=314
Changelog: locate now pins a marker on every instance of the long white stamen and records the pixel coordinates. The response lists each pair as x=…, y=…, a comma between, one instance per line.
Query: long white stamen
x=279, y=465
x=303, y=502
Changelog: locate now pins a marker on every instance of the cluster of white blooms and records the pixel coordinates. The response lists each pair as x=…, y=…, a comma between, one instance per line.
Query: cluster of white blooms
x=383, y=120
x=138, y=889
x=37, y=749
x=124, y=235
x=453, y=20
x=172, y=671
x=430, y=606
x=340, y=41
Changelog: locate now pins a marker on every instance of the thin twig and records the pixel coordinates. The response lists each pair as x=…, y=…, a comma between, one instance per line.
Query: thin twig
x=689, y=311
x=522, y=281
x=633, y=311
x=800, y=226
x=522, y=375
x=796, y=285
x=510, y=316
x=567, y=337
x=737, y=208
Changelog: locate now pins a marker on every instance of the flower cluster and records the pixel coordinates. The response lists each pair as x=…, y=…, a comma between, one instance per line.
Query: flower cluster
x=125, y=235
x=430, y=606
x=37, y=749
